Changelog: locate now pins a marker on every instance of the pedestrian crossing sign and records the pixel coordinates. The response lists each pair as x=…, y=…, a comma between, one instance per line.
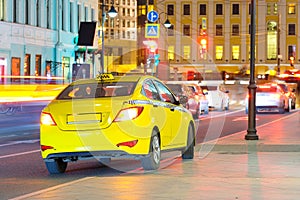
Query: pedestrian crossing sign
x=152, y=31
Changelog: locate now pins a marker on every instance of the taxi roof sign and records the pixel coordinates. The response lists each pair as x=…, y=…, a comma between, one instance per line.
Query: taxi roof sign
x=105, y=76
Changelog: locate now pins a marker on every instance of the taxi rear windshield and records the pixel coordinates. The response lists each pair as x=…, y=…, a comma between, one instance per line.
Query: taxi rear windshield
x=97, y=90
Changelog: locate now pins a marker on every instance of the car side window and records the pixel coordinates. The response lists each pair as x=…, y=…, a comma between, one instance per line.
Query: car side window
x=150, y=91
x=165, y=94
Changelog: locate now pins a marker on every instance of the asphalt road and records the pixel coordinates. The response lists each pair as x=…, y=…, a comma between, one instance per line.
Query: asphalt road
x=23, y=170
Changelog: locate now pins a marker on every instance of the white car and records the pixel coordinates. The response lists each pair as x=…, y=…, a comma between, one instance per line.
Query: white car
x=271, y=98
x=217, y=97
x=201, y=97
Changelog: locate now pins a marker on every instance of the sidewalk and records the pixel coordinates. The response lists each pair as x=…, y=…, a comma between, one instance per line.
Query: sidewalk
x=228, y=168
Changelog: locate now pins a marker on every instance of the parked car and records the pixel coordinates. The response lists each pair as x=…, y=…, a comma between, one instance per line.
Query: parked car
x=183, y=91
x=114, y=117
x=195, y=104
x=201, y=96
x=270, y=97
x=289, y=92
x=217, y=97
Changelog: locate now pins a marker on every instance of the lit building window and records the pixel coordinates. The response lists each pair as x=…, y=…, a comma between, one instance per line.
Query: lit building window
x=272, y=41
x=2, y=7
x=292, y=8
x=186, y=52
x=27, y=65
x=269, y=9
x=219, y=52
x=275, y=8
x=235, y=52
x=171, y=55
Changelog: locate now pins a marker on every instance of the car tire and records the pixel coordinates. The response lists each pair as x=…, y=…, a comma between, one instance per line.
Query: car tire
x=227, y=107
x=188, y=153
x=293, y=106
x=58, y=166
x=281, y=110
x=152, y=161
x=206, y=111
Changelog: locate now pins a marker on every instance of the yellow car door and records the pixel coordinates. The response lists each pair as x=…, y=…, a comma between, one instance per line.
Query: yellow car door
x=174, y=113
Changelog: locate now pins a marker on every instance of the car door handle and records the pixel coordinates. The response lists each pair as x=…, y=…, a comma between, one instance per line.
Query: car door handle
x=155, y=105
x=172, y=109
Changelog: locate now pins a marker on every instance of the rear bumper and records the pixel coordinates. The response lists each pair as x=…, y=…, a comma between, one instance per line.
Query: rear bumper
x=74, y=156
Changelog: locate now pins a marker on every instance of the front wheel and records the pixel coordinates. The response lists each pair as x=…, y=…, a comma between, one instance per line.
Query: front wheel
x=188, y=153
x=58, y=166
x=152, y=161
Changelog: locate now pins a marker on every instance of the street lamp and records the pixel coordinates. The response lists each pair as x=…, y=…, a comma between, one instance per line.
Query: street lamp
x=167, y=23
x=112, y=13
x=251, y=131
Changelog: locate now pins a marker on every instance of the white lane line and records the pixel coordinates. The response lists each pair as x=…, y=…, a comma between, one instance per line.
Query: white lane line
x=20, y=142
x=19, y=154
x=51, y=188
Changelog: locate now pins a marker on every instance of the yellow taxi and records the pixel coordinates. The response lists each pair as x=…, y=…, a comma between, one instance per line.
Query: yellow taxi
x=115, y=117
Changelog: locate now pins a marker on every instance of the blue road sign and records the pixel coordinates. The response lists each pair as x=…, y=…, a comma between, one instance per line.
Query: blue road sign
x=152, y=16
x=152, y=31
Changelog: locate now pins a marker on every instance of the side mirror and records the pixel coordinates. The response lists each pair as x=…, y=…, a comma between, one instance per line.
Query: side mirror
x=183, y=100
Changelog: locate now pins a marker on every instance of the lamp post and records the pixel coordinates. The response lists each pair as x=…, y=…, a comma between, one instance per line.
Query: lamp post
x=111, y=13
x=251, y=132
x=165, y=66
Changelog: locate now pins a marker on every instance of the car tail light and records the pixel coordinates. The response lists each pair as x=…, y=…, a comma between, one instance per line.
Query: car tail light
x=47, y=119
x=45, y=147
x=128, y=114
x=128, y=143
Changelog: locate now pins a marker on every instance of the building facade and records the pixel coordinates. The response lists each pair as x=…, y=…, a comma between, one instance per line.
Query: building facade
x=119, y=35
x=38, y=38
x=214, y=36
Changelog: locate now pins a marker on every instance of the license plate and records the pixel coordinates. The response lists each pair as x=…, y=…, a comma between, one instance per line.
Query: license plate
x=84, y=118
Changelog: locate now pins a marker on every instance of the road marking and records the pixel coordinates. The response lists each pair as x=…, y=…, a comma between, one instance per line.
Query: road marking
x=19, y=154
x=243, y=119
x=20, y=142
x=52, y=188
x=213, y=114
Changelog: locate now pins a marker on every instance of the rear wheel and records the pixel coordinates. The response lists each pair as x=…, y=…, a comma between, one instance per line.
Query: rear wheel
x=58, y=166
x=293, y=105
x=152, y=161
x=188, y=153
x=206, y=111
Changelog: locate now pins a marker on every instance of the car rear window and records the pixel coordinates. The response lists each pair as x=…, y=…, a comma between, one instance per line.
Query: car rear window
x=97, y=90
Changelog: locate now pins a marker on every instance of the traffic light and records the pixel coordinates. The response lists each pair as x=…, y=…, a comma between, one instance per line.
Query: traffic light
x=203, y=42
x=156, y=59
x=292, y=61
